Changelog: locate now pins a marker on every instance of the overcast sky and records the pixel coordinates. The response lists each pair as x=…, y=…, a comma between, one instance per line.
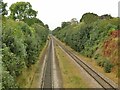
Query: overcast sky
x=53, y=12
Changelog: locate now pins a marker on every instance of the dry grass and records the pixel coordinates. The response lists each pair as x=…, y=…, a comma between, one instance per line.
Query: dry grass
x=70, y=72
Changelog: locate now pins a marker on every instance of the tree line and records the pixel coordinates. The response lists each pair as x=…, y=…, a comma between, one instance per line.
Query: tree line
x=23, y=38
x=88, y=35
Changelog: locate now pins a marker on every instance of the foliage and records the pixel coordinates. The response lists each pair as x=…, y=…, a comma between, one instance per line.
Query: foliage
x=64, y=24
x=89, y=18
x=7, y=81
x=12, y=62
x=22, y=10
x=22, y=41
x=31, y=21
x=87, y=36
x=107, y=66
x=21, y=46
x=106, y=16
x=3, y=7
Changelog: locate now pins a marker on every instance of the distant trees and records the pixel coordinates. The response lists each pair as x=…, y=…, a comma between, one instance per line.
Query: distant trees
x=74, y=21
x=106, y=16
x=22, y=10
x=64, y=24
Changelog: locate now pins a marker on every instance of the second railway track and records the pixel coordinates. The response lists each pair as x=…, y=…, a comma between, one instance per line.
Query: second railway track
x=103, y=82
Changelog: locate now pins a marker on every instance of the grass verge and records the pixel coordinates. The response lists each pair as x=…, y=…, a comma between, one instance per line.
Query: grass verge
x=70, y=72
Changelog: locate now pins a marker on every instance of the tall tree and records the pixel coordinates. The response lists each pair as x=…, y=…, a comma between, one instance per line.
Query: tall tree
x=3, y=10
x=22, y=10
x=89, y=18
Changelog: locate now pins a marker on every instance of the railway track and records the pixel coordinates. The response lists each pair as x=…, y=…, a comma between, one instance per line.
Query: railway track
x=47, y=72
x=103, y=82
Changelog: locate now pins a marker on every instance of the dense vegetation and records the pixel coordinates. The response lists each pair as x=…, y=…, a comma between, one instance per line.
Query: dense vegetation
x=89, y=36
x=22, y=41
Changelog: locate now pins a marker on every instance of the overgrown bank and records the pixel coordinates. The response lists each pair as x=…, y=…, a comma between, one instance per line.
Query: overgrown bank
x=91, y=38
x=22, y=42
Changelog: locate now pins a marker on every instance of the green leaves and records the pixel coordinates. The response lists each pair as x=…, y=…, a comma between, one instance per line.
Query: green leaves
x=108, y=66
x=12, y=63
x=3, y=7
x=87, y=36
x=22, y=40
x=8, y=81
x=22, y=10
x=88, y=18
x=20, y=48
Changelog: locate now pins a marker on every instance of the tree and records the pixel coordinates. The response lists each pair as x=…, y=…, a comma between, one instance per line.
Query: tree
x=89, y=18
x=46, y=25
x=31, y=21
x=22, y=10
x=106, y=16
x=64, y=24
x=3, y=10
x=74, y=21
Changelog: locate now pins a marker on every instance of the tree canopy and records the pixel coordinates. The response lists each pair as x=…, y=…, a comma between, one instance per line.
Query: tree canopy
x=89, y=18
x=22, y=10
x=22, y=41
x=3, y=9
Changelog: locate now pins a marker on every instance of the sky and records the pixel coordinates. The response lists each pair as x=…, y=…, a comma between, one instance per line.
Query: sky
x=53, y=12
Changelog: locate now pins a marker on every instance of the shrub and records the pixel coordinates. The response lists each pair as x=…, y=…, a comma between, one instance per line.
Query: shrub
x=13, y=64
x=107, y=66
x=8, y=81
x=96, y=56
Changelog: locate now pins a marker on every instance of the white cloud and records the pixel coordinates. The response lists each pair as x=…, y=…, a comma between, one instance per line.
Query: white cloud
x=53, y=12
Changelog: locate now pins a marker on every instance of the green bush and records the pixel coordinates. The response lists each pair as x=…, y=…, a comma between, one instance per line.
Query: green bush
x=108, y=66
x=8, y=81
x=13, y=64
x=21, y=46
